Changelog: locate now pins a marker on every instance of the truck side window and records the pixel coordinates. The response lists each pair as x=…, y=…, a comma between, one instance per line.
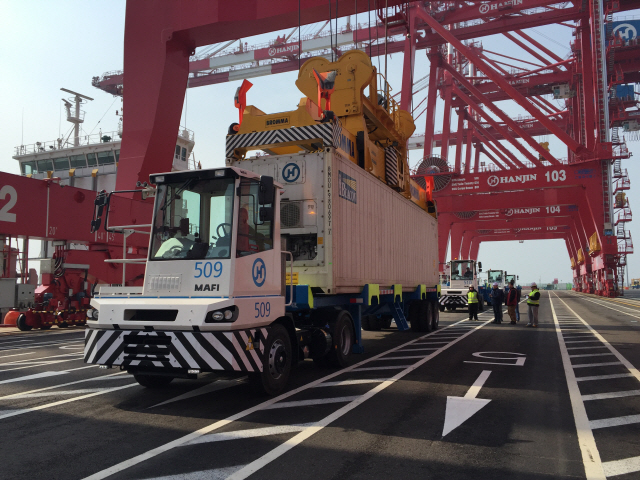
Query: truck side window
x=253, y=235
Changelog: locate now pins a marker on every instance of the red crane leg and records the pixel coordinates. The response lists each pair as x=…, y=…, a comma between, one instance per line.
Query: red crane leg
x=456, y=240
x=589, y=106
x=444, y=231
x=432, y=97
x=467, y=151
x=406, y=97
x=459, y=138
x=476, y=161
x=446, y=122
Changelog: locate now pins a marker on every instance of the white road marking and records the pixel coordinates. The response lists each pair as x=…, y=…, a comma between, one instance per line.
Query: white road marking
x=614, y=309
x=252, y=433
x=604, y=396
x=615, y=421
x=106, y=377
x=460, y=409
x=583, y=341
x=602, y=364
x=32, y=377
x=401, y=358
x=43, y=364
x=39, y=345
x=215, y=474
x=302, y=435
x=622, y=467
x=61, y=402
x=603, y=377
x=208, y=388
x=417, y=349
x=315, y=401
x=590, y=355
x=58, y=392
x=389, y=367
x=587, y=348
x=590, y=455
x=18, y=354
x=351, y=382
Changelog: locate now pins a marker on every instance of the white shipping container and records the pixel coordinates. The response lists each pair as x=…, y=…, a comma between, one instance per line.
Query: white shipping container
x=346, y=228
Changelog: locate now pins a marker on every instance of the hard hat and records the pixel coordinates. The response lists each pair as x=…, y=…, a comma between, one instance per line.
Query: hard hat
x=495, y=284
x=534, y=284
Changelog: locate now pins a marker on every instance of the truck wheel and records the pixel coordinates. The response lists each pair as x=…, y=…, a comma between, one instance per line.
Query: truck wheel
x=21, y=323
x=374, y=323
x=365, y=323
x=386, y=320
x=414, y=315
x=343, y=338
x=425, y=316
x=441, y=308
x=153, y=381
x=277, y=362
x=435, y=316
x=454, y=308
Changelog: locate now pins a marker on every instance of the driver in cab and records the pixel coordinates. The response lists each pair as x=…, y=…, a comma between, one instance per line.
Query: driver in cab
x=468, y=273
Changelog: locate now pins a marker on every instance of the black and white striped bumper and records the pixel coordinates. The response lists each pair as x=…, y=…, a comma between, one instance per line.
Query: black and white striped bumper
x=453, y=301
x=239, y=351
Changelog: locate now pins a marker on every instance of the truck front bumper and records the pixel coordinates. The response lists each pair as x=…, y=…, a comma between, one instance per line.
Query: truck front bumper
x=178, y=351
x=453, y=301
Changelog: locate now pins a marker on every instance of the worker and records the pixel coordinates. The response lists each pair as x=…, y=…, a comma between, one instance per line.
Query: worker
x=472, y=301
x=534, y=303
x=497, y=297
x=518, y=303
x=512, y=302
x=468, y=273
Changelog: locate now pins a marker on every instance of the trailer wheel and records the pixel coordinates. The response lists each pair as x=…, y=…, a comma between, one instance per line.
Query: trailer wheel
x=21, y=323
x=373, y=322
x=414, y=315
x=425, y=316
x=277, y=362
x=153, y=381
x=343, y=338
x=435, y=316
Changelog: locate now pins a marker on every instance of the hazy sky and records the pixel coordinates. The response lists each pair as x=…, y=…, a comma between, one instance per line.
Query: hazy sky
x=47, y=45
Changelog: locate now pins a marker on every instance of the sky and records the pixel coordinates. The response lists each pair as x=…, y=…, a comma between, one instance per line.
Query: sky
x=64, y=43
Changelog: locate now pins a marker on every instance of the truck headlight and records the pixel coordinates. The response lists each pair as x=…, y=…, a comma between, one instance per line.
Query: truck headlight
x=92, y=314
x=228, y=314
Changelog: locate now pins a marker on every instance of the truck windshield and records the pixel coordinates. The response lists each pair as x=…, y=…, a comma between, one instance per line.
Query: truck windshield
x=494, y=276
x=462, y=270
x=193, y=219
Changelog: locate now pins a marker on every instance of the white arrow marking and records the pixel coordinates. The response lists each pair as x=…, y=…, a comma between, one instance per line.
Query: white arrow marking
x=460, y=409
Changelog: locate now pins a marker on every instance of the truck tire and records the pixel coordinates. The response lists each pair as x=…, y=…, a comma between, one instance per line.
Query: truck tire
x=153, y=381
x=343, y=339
x=435, y=316
x=277, y=362
x=374, y=323
x=414, y=315
x=441, y=307
x=386, y=320
x=21, y=323
x=425, y=316
x=365, y=323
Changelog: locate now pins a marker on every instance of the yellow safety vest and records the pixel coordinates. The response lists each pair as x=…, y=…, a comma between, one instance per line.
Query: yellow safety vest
x=530, y=301
x=472, y=297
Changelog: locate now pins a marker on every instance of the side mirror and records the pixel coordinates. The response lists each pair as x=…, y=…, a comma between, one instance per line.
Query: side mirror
x=267, y=192
x=266, y=214
x=480, y=265
x=517, y=277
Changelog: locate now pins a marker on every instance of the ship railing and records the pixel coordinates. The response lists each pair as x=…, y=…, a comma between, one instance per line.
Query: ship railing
x=60, y=143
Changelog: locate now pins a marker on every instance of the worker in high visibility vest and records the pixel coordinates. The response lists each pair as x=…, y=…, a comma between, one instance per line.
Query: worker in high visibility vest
x=533, y=301
x=472, y=301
